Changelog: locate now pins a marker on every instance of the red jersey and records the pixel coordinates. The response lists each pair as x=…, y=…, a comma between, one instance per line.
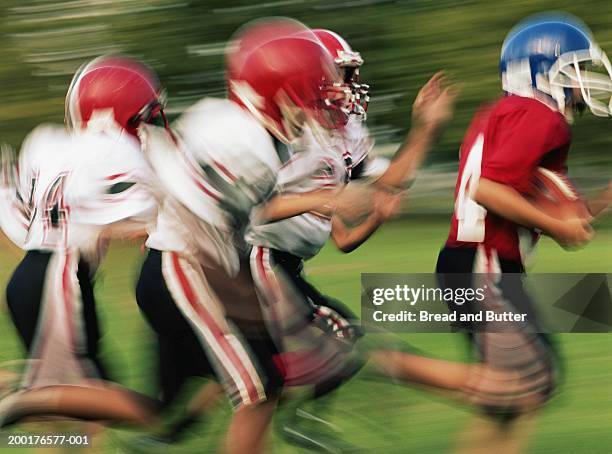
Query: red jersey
x=506, y=143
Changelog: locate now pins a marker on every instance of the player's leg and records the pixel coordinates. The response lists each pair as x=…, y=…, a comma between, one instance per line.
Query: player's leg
x=24, y=294
x=300, y=315
x=482, y=436
x=90, y=321
x=179, y=352
x=326, y=331
x=97, y=401
x=52, y=304
x=527, y=356
x=260, y=414
x=515, y=347
x=248, y=429
x=335, y=318
x=241, y=356
x=179, y=347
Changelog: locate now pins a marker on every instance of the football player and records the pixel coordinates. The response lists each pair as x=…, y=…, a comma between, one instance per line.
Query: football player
x=222, y=162
x=71, y=192
x=279, y=249
x=544, y=62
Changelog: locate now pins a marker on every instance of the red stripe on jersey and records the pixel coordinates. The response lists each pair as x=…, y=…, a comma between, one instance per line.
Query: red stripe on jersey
x=197, y=178
x=261, y=268
x=216, y=331
x=205, y=189
x=68, y=305
x=116, y=176
x=225, y=170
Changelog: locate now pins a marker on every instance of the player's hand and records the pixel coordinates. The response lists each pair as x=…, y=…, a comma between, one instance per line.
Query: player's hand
x=354, y=203
x=573, y=233
x=434, y=103
x=387, y=204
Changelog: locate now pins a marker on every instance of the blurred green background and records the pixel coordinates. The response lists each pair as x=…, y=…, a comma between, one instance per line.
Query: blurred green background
x=403, y=42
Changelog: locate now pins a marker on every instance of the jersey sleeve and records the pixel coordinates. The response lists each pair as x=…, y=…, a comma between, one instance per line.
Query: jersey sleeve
x=300, y=167
x=222, y=163
x=14, y=216
x=517, y=141
x=117, y=190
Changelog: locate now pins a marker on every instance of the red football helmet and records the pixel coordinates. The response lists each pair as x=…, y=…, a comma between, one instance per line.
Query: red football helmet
x=114, y=90
x=348, y=61
x=279, y=71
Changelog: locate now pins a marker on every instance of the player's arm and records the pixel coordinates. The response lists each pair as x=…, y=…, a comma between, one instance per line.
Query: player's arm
x=347, y=239
x=432, y=108
x=283, y=206
x=14, y=216
x=508, y=203
x=601, y=201
x=351, y=203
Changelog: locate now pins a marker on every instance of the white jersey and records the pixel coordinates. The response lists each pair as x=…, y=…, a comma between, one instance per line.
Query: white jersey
x=221, y=164
x=318, y=163
x=70, y=187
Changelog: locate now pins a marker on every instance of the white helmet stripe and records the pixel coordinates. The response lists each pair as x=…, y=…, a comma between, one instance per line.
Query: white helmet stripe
x=340, y=39
x=72, y=113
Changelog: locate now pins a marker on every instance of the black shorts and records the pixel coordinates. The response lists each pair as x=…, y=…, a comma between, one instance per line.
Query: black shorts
x=26, y=298
x=456, y=268
x=191, y=343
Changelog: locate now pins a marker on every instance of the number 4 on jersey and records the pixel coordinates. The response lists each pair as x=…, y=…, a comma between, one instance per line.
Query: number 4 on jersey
x=470, y=215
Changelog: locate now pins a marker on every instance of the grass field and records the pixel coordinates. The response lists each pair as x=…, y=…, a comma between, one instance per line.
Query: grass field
x=375, y=416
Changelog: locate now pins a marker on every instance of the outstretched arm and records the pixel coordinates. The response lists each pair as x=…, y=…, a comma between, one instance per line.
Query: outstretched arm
x=283, y=206
x=432, y=108
x=352, y=203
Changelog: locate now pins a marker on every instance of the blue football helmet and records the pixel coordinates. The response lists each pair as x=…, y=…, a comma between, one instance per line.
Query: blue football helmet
x=552, y=55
